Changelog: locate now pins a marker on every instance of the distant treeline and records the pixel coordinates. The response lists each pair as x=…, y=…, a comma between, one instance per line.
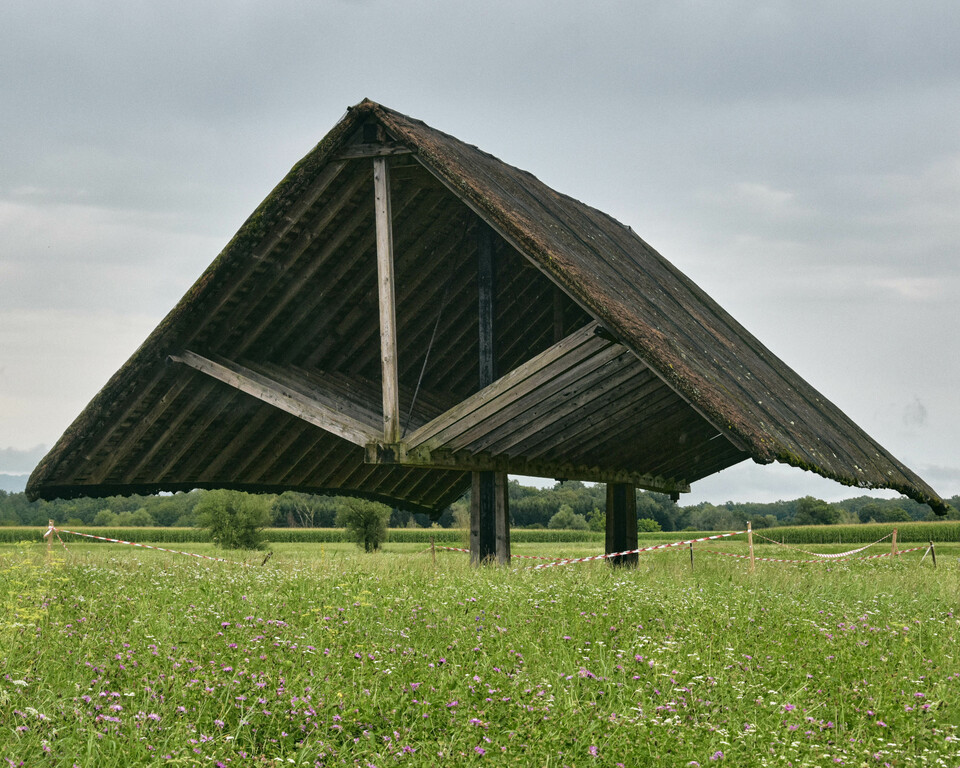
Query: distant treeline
x=568, y=505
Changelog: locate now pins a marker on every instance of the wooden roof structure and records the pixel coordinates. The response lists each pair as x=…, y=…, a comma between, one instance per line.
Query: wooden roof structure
x=609, y=364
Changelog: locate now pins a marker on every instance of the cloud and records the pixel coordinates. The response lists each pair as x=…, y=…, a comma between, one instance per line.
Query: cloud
x=54, y=362
x=14, y=461
x=78, y=256
x=915, y=414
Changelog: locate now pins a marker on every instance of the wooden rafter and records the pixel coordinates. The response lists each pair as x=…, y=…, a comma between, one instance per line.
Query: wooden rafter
x=516, y=384
x=284, y=395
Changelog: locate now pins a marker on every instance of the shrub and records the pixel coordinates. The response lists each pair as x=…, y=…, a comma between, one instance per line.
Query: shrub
x=646, y=525
x=365, y=521
x=567, y=519
x=234, y=520
x=105, y=517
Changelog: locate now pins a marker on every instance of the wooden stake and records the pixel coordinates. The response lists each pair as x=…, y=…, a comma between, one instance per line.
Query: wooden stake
x=893, y=543
x=691, y=555
x=388, y=311
x=750, y=543
x=50, y=530
x=933, y=554
x=433, y=552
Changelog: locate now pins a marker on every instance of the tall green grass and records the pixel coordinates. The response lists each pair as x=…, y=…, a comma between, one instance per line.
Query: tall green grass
x=117, y=657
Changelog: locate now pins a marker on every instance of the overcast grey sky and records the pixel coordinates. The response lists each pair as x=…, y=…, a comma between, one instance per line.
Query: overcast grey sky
x=799, y=160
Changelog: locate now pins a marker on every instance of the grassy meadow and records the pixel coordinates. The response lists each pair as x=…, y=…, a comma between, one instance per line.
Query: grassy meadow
x=115, y=656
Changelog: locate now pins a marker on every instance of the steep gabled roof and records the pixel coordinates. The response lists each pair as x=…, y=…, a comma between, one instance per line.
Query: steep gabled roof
x=611, y=363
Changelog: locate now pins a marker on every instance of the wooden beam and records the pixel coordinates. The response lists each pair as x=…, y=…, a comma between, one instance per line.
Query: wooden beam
x=539, y=394
x=489, y=510
x=356, y=151
x=485, y=308
x=388, y=311
x=283, y=397
x=399, y=453
x=490, y=399
x=621, y=533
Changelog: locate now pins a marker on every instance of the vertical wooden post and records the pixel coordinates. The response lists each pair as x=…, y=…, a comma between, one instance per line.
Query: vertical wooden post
x=753, y=564
x=893, y=543
x=50, y=529
x=933, y=554
x=621, y=533
x=502, y=512
x=485, y=308
x=691, y=555
x=433, y=551
x=388, y=312
x=489, y=504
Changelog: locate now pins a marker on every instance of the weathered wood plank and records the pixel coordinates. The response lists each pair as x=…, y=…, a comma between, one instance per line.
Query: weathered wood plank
x=225, y=454
x=614, y=410
x=484, y=402
x=417, y=287
x=182, y=415
x=647, y=420
x=358, y=151
x=548, y=419
x=348, y=276
x=517, y=465
x=282, y=397
x=485, y=305
x=292, y=292
x=388, y=310
x=136, y=432
x=540, y=394
x=621, y=531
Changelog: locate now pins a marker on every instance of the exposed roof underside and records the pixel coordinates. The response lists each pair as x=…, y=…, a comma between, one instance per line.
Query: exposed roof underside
x=610, y=364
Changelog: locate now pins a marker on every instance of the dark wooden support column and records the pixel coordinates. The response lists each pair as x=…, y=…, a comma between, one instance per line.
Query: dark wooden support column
x=621, y=522
x=489, y=506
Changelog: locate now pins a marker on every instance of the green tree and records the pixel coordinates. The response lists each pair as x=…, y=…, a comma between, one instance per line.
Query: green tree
x=811, y=511
x=105, y=517
x=646, y=525
x=235, y=520
x=597, y=520
x=567, y=519
x=365, y=522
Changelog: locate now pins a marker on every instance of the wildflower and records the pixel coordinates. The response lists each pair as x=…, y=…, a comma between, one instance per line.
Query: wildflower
x=788, y=707
x=592, y=750
x=718, y=755
x=480, y=751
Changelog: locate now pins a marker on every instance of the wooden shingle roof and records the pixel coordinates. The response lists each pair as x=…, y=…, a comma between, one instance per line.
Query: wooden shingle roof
x=610, y=363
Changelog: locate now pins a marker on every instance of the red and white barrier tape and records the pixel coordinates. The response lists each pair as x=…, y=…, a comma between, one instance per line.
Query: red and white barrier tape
x=819, y=562
x=891, y=554
x=833, y=556
x=635, y=551
x=146, y=546
x=53, y=530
